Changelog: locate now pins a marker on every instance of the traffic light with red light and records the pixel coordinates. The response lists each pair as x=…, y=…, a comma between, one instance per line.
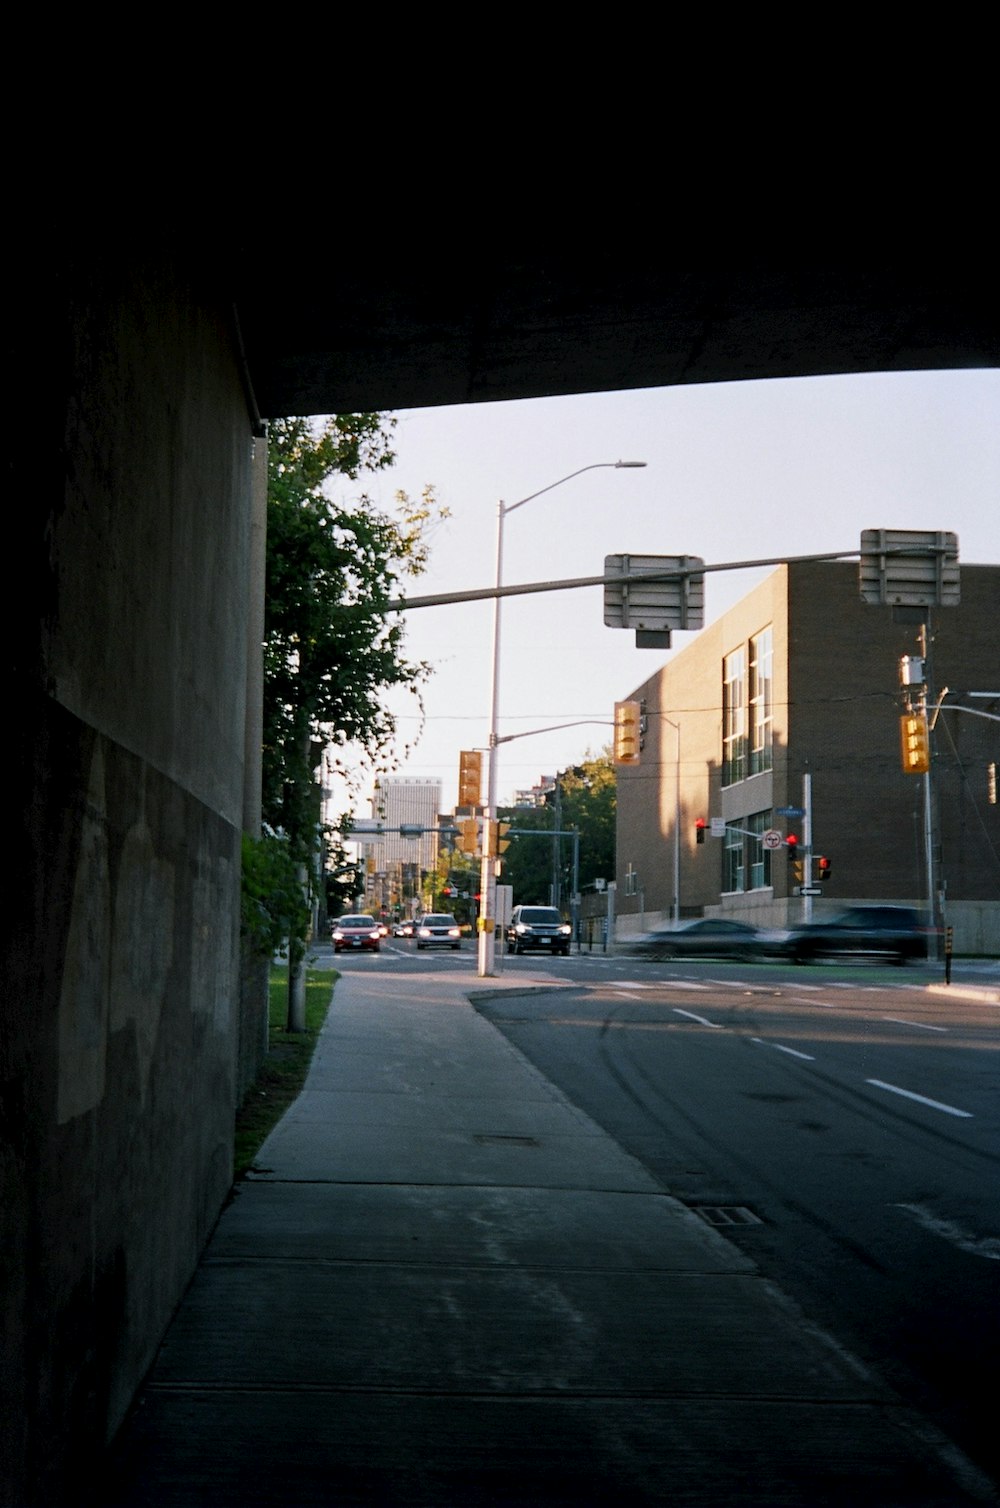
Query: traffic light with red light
x=823, y=867
x=699, y=829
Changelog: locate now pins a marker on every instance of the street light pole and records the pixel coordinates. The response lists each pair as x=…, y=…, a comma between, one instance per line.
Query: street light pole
x=487, y=874
x=677, y=824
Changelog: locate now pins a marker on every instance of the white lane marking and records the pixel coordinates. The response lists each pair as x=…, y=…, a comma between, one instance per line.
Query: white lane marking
x=791, y=1051
x=700, y=1019
x=921, y=1026
x=976, y=1246
x=921, y=1099
x=665, y=984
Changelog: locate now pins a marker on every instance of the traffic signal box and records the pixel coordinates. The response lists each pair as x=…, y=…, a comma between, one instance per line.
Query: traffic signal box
x=915, y=744
x=468, y=840
x=627, y=732
x=795, y=859
x=823, y=867
x=497, y=841
x=699, y=829
x=470, y=777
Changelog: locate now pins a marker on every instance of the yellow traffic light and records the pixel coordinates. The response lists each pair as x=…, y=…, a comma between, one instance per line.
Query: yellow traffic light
x=496, y=838
x=626, y=740
x=469, y=839
x=915, y=743
x=470, y=777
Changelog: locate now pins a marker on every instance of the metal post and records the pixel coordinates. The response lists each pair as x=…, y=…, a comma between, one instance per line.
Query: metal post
x=576, y=887
x=807, y=838
x=934, y=907
x=677, y=824
x=487, y=884
x=487, y=872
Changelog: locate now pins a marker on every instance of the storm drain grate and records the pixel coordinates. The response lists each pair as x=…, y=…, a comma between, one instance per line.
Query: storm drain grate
x=489, y=1138
x=725, y=1214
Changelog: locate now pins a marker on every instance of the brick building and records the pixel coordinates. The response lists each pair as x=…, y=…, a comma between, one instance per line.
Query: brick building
x=801, y=678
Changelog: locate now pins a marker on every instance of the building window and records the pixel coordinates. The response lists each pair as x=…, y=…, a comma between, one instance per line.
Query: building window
x=734, y=738
x=760, y=701
x=746, y=864
x=733, y=860
x=631, y=881
x=760, y=857
x=748, y=709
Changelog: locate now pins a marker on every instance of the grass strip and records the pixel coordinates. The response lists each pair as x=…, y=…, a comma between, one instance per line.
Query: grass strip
x=284, y=1070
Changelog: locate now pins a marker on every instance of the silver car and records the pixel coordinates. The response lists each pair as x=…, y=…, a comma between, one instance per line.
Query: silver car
x=438, y=930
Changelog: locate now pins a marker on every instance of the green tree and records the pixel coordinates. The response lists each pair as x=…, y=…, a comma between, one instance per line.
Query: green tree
x=583, y=797
x=331, y=649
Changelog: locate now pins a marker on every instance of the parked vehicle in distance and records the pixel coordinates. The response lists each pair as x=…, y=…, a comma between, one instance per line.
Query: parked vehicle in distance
x=711, y=937
x=402, y=929
x=438, y=930
x=356, y=933
x=897, y=932
x=538, y=927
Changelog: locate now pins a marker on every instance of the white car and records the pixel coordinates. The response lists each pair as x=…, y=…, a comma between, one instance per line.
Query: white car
x=437, y=930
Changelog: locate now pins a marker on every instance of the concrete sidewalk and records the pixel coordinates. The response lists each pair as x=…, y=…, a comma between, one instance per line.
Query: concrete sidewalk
x=447, y=1286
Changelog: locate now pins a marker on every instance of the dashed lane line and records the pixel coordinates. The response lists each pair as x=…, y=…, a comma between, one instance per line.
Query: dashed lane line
x=921, y=1099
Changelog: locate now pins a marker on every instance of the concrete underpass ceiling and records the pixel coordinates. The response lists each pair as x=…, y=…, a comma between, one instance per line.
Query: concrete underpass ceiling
x=375, y=334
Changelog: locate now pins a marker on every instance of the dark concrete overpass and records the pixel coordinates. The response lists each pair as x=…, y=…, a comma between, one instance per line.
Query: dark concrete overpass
x=389, y=333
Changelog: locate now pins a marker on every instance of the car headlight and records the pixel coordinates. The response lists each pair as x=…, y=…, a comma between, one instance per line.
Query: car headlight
x=520, y=927
x=565, y=930
x=454, y=932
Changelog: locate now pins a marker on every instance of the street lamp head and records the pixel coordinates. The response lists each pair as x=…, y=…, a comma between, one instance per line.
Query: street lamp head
x=620, y=464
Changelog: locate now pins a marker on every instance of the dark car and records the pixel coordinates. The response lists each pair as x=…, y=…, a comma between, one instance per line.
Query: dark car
x=538, y=927
x=896, y=932
x=356, y=933
x=438, y=930
x=709, y=937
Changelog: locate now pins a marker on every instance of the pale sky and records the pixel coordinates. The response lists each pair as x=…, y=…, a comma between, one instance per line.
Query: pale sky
x=735, y=471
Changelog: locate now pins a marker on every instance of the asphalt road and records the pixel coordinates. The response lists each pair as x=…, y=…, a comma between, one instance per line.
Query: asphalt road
x=840, y=1124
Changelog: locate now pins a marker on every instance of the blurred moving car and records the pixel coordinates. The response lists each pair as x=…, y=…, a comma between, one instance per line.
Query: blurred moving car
x=356, y=932
x=438, y=930
x=402, y=929
x=897, y=932
x=710, y=937
x=538, y=927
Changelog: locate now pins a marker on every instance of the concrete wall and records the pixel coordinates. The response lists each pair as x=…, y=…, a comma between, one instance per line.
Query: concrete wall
x=121, y=1012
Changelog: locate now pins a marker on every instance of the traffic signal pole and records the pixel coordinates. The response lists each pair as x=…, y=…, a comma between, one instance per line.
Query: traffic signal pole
x=807, y=834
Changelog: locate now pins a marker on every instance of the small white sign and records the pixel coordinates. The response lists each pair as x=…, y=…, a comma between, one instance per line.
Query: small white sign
x=717, y=827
